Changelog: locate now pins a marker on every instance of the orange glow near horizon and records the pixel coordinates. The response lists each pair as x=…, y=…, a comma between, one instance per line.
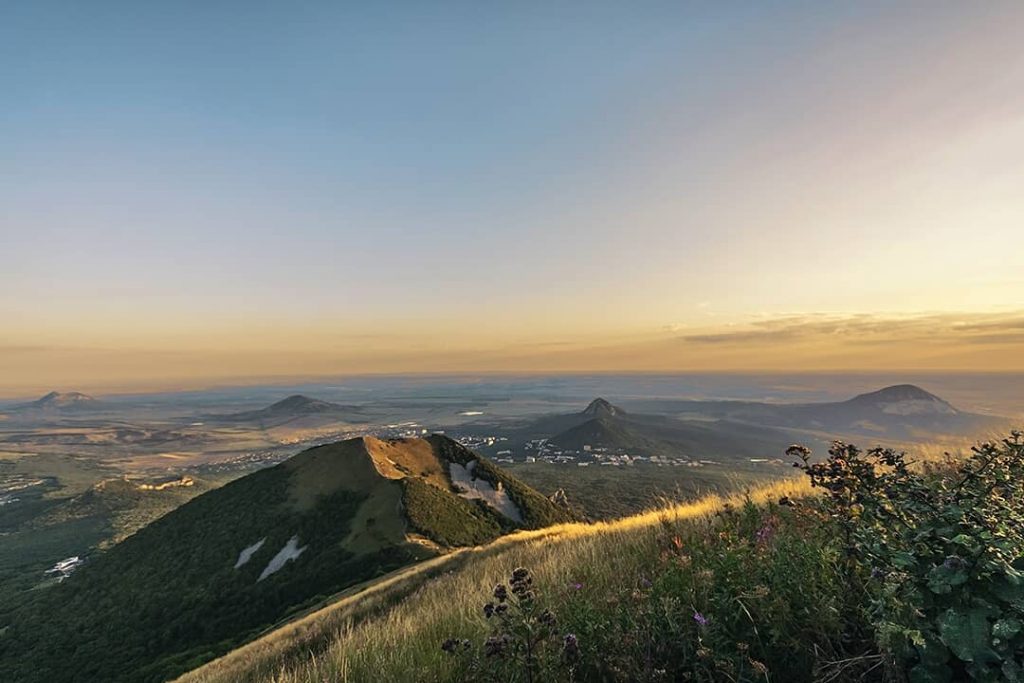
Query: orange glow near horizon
x=791, y=343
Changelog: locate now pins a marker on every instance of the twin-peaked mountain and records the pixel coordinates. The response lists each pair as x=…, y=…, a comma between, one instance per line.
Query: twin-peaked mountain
x=205, y=577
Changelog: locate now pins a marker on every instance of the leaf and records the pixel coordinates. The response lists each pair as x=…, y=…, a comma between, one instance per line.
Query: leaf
x=931, y=674
x=903, y=559
x=967, y=635
x=1006, y=628
x=941, y=579
x=1014, y=576
x=932, y=658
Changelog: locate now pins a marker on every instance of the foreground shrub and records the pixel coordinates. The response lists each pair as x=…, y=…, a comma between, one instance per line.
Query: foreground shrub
x=936, y=555
x=753, y=594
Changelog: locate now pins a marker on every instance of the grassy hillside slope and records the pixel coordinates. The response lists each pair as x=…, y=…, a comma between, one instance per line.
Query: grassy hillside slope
x=401, y=621
x=897, y=572
x=608, y=493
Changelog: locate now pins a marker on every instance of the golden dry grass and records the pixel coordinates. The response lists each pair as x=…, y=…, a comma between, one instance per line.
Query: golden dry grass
x=391, y=630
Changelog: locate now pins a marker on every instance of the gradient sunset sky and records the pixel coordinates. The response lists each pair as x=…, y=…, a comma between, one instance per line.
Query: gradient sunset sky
x=202, y=191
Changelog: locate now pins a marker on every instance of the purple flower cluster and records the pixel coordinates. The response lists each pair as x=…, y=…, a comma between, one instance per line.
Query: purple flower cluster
x=451, y=646
x=522, y=629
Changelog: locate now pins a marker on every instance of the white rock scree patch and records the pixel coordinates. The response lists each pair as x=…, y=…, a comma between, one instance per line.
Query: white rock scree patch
x=247, y=553
x=290, y=551
x=480, y=489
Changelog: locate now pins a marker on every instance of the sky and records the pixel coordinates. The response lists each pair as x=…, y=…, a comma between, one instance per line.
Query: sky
x=197, y=191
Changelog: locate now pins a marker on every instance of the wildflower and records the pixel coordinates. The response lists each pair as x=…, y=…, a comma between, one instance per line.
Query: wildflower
x=700, y=618
x=495, y=646
x=547, y=617
x=449, y=645
x=521, y=583
x=798, y=451
x=877, y=573
x=570, y=647
x=501, y=592
x=645, y=582
x=759, y=591
x=501, y=609
x=489, y=610
x=759, y=667
x=703, y=652
x=953, y=563
x=576, y=586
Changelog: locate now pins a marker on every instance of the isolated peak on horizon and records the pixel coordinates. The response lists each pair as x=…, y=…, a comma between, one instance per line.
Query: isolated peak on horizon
x=904, y=399
x=295, y=406
x=602, y=407
x=899, y=392
x=67, y=396
x=57, y=399
x=300, y=402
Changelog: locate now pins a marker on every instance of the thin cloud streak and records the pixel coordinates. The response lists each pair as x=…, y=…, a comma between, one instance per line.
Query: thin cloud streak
x=955, y=329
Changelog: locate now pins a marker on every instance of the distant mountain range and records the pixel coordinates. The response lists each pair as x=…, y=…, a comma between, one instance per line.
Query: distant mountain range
x=210, y=574
x=902, y=411
x=748, y=429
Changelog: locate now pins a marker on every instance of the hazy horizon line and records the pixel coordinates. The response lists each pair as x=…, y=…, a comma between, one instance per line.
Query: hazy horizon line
x=283, y=381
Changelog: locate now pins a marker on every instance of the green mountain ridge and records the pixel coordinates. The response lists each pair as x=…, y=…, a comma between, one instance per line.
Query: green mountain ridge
x=210, y=575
